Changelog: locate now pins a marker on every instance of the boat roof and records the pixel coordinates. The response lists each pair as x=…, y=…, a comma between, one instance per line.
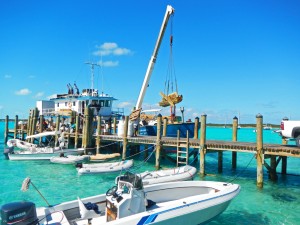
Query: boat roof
x=82, y=98
x=43, y=134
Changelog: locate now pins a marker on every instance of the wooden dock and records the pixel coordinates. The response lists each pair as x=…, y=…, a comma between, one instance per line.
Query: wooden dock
x=185, y=147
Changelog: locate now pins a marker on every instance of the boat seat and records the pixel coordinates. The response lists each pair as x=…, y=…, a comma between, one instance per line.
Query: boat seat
x=88, y=210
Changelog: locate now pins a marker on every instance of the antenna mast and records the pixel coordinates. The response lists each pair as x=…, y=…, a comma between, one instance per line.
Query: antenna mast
x=92, y=71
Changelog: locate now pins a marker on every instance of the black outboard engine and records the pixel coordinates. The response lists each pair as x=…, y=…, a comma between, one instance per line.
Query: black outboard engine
x=7, y=151
x=20, y=213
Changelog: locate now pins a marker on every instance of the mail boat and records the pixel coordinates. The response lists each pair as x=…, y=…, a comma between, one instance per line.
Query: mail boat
x=184, y=202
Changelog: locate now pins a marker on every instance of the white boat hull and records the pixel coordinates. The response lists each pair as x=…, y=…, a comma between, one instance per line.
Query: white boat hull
x=187, y=202
x=95, y=168
x=70, y=159
x=181, y=173
x=27, y=155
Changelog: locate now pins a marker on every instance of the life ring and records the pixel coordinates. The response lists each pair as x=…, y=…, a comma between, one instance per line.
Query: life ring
x=70, y=105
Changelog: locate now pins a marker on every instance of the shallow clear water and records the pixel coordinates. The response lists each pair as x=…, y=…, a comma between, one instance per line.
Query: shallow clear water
x=276, y=203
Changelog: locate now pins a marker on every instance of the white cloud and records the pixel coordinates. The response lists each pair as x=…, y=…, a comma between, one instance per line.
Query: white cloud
x=39, y=94
x=23, y=91
x=110, y=48
x=6, y=76
x=108, y=63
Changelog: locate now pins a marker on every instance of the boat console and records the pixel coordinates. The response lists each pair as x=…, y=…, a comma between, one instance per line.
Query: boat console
x=125, y=199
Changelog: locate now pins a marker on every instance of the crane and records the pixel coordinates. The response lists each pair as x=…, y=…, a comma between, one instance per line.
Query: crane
x=169, y=11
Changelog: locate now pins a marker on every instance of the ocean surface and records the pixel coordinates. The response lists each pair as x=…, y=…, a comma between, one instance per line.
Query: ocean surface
x=276, y=203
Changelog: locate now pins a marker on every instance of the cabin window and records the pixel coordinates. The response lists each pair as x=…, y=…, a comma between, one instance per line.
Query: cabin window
x=57, y=104
x=66, y=104
x=107, y=103
x=74, y=103
x=101, y=103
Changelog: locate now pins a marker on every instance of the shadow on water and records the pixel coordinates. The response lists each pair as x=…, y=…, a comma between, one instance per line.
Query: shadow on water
x=240, y=217
x=284, y=197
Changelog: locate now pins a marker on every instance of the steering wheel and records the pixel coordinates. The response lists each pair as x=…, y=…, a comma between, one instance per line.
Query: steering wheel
x=112, y=191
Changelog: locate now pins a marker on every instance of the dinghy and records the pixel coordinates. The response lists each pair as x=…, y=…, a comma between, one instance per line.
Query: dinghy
x=129, y=203
x=181, y=173
x=102, y=157
x=70, y=159
x=94, y=168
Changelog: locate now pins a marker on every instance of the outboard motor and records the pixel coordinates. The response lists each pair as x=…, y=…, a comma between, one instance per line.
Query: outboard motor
x=21, y=213
x=7, y=151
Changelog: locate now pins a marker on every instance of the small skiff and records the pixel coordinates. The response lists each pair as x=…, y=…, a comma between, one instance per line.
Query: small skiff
x=94, y=168
x=181, y=173
x=129, y=203
x=70, y=159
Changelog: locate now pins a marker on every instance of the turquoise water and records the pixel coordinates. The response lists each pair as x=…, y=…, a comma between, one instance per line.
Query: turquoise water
x=276, y=203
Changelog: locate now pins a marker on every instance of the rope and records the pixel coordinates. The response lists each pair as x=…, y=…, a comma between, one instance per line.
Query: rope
x=242, y=170
x=140, y=152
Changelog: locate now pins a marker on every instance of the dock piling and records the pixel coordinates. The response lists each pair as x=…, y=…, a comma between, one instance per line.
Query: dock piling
x=259, y=153
x=202, y=148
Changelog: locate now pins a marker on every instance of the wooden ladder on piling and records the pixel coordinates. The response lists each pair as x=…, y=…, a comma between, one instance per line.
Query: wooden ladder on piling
x=182, y=149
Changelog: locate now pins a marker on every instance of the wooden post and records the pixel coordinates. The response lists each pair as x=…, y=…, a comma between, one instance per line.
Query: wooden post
x=260, y=151
x=16, y=127
x=272, y=172
x=29, y=123
x=202, y=144
x=284, y=158
x=158, y=142
x=34, y=122
x=196, y=128
x=76, y=131
x=41, y=126
x=57, y=122
x=115, y=125
x=6, y=129
x=125, y=140
x=98, y=134
x=165, y=127
x=196, y=136
x=146, y=152
x=88, y=129
x=234, y=139
x=220, y=161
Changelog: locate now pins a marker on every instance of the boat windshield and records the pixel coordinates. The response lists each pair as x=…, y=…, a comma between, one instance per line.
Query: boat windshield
x=132, y=178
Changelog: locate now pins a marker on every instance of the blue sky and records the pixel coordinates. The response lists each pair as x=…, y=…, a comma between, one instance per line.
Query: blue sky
x=230, y=57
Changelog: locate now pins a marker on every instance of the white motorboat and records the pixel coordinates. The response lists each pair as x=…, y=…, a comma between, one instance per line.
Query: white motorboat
x=181, y=173
x=70, y=159
x=128, y=203
x=94, y=168
x=43, y=153
x=29, y=151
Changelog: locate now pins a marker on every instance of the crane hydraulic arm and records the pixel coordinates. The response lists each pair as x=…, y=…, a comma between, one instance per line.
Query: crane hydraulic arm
x=170, y=10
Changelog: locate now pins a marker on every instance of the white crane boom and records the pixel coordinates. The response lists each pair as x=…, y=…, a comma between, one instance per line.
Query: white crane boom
x=170, y=10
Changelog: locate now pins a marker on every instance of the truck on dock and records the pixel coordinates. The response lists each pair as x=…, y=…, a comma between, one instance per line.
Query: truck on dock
x=290, y=129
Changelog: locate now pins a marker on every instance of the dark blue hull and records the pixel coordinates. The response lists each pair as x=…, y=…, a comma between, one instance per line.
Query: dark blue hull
x=171, y=130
